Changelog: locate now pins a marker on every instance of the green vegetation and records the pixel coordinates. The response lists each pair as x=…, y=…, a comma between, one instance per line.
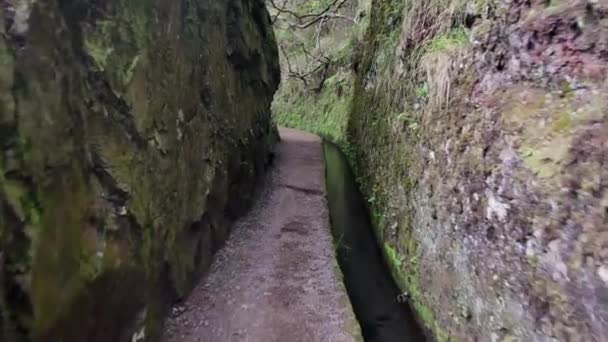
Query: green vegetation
x=92, y=208
x=395, y=260
x=451, y=40
x=325, y=113
x=339, y=243
x=317, y=85
x=442, y=57
x=405, y=273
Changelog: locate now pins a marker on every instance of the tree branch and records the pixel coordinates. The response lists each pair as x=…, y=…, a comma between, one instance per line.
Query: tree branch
x=313, y=63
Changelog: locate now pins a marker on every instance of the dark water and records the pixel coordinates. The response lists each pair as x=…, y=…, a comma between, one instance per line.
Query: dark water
x=370, y=286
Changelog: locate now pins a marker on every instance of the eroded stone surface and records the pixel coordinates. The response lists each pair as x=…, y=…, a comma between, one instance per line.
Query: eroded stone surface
x=495, y=203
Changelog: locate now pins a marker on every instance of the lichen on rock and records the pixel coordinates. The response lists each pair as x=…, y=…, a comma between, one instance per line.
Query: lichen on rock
x=480, y=145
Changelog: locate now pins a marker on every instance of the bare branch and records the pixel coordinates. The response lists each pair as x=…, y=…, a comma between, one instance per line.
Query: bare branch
x=304, y=20
x=314, y=63
x=325, y=17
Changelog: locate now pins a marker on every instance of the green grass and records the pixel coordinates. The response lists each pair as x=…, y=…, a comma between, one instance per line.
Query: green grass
x=325, y=114
x=442, y=56
x=453, y=39
x=395, y=260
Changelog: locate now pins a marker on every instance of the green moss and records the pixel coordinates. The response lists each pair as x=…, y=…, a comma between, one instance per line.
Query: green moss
x=405, y=273
x=546, y=160
x=425, y=314
x=99, y=43
x=394, y=259
x=57, y=277
x=15, y=194
x=148, y=252
x=547, y=122
x=98, y=51
x=90, y=266
x=562, y=123
x=453, y=39
x=7, y=102
x=150, y=74
x=23, y=202
x=119, y=42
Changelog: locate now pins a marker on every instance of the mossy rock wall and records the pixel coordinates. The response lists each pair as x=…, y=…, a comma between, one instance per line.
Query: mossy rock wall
x=131, y=133
x=481, y=138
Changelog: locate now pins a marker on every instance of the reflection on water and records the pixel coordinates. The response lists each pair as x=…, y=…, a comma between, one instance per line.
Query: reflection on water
x=370, y=286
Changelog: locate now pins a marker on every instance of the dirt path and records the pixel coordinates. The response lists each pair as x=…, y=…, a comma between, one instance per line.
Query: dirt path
x=276, y=279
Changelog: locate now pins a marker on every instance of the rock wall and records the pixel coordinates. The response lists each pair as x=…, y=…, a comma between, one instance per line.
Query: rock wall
x=131, y=134
x=482, y=140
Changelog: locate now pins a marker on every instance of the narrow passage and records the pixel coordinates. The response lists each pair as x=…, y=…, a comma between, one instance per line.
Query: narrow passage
x=277, y=278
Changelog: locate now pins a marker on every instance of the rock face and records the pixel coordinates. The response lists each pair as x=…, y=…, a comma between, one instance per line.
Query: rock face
x=482, y=140
x=131, y=134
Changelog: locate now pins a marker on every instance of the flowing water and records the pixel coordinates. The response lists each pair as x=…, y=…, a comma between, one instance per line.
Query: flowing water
x=372, y=291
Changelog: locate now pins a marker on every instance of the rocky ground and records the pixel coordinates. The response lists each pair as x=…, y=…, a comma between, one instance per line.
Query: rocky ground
x=276, y=279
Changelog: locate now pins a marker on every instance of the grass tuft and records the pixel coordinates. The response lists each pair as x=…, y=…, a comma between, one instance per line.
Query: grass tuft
x=443, y=57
